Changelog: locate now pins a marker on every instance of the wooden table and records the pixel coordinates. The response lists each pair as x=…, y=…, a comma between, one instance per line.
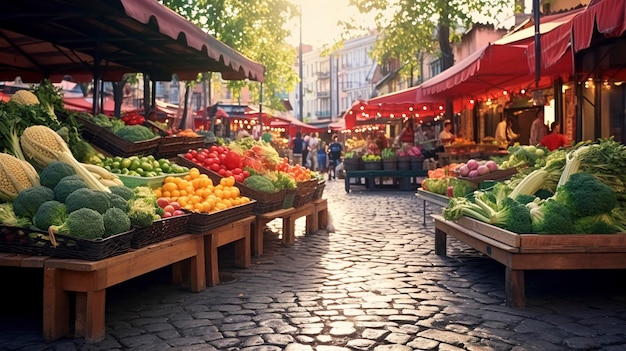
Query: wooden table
x=237, y=232
x=430, y=197
x=404, y=177
x=89, y=280
x=289, y=216
x=521, y=252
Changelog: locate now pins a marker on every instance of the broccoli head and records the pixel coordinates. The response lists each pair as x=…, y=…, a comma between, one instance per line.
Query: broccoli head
x=115, y=221
x=123, y=191
x=87, y=198
x=602, y=223
x=514, y=216
x=68, y=185
x=54, y=172
x=83, y=223
x=584, y=195
x=118, y=201
x=9, y=218
x=28, y=200
x=50, y=213
x=551, y=217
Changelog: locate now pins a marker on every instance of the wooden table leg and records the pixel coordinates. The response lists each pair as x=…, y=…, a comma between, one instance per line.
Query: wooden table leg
x=321, y=209
x=56, y=305
x=257, y=236
x=315, y=223
x=211, y=260
x=289, y=230
x=514, y=288
x=440, y=242
x=90, y=315
x=242, y=248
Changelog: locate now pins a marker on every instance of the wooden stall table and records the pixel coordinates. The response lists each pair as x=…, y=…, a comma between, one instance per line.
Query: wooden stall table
x=430, y=197
x=289, y=217
x=320, y=215
x=89, y=280
x=521, y=252
x=404, y=177
x=23, y=261
x=237, y=232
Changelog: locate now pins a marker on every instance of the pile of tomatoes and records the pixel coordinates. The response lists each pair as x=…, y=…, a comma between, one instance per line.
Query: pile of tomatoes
x=297, y=172
x=196, y=192
x=221, y=160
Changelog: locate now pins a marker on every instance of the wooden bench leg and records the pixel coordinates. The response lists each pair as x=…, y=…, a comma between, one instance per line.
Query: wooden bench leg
x=90, y=315
x=257, y=236
x=440, y=242
x=322, y=215
x=289, y=230
x=56, y=306
x=515, y=288
x=315, y=223
x=190, y=273
x=211, y=260
x=242, y=248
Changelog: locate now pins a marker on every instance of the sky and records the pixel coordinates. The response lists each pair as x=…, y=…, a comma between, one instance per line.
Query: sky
x=319, y=21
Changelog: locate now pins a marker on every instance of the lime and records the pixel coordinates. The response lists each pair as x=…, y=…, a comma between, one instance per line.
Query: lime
x=115, y=165
x=117, y=159
x=125, y=163
x=147, y=166
x=134, y=164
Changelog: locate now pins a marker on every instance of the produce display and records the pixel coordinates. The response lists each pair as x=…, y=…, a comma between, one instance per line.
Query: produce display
x=141, y=166
x=576, y=191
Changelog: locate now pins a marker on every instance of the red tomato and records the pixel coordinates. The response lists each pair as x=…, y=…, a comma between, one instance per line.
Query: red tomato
x=214, y=167
x=238, y=177
x=236, y=170
x=246, y=174
x=213, y=148
x=188, y=156
x=222, y=172
x=228, y=173
x=201, y=157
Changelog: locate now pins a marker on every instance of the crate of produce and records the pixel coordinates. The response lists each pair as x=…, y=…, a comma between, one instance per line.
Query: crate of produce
x=390, y=164
x=32, y=241
x=319, y=190
x=306, y=186
x=303, y=199
x=118, y=146
x=164, y=228
x=265, y=202
x=373, y=165
x=193, y=143
x=170, y=147
x=202, y=222
x=89, y=130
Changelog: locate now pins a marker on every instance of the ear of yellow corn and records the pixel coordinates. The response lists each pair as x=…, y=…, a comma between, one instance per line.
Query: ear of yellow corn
x=15, y=176
x=43, y=145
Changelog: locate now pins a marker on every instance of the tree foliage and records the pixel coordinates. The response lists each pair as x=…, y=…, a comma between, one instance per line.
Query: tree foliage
x=409, y=28
x=257, y=30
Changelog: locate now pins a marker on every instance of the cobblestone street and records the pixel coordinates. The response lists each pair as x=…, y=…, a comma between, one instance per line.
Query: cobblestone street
x=374, y=283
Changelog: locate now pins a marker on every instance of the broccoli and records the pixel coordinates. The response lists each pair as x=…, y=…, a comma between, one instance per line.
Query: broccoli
x=584, y=195
x=118, y=201
x=142, y=212
x=123, y=191
x=9, y=218
x=508, y=213
x=144, y=192
x=68, y=185
x=54, y=172
x=88, y=198
x=260, y=183
x=28, y=200
x=50, y=213
x=602, y=223
x=525, y=198
x=83, y=223
x=135, y=133
x=550, y=217
x=115, y=221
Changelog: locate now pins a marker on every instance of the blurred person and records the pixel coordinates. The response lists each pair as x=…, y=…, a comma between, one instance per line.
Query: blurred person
x=555, y=139
x=334, y=156
x=321, y=157
x=538, y=129
x=312, y=156
x=297, y=146
x=505, y=136
x=446, y=137
x=305, y=151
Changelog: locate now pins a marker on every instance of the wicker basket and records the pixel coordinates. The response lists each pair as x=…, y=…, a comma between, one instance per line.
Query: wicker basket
x=170, y=147
x=373, y=165
x=203, y=222
x=160, y=230
x=193, y=143
x=303, y=199
x=89, y=130
x=351, y=164
x=404, y=163
x=390, y=164
x=118, y=146
x=37, y=242
x=319, y=190
x=417, y=162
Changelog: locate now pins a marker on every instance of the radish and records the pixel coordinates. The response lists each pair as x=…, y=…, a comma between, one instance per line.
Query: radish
x=473, y=173
x=492, y=165
x=482, y=170
x=472, y=164
x=464, y=171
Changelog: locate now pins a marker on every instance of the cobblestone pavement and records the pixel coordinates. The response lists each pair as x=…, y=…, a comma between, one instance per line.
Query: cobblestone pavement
x=372, y=284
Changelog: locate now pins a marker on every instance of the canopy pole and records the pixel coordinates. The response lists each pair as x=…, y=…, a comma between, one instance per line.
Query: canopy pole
x=261, y=109
x=536, y=19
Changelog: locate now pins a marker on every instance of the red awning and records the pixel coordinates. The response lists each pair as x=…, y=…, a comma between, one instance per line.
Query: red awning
x=608, y=17
x=52, y=38
x=85, y=104
x=493, y=67
x=288, y=121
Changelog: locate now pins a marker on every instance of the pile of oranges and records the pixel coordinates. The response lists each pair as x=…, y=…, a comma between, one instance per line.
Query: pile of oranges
x=197, y=193
x=297, y=172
